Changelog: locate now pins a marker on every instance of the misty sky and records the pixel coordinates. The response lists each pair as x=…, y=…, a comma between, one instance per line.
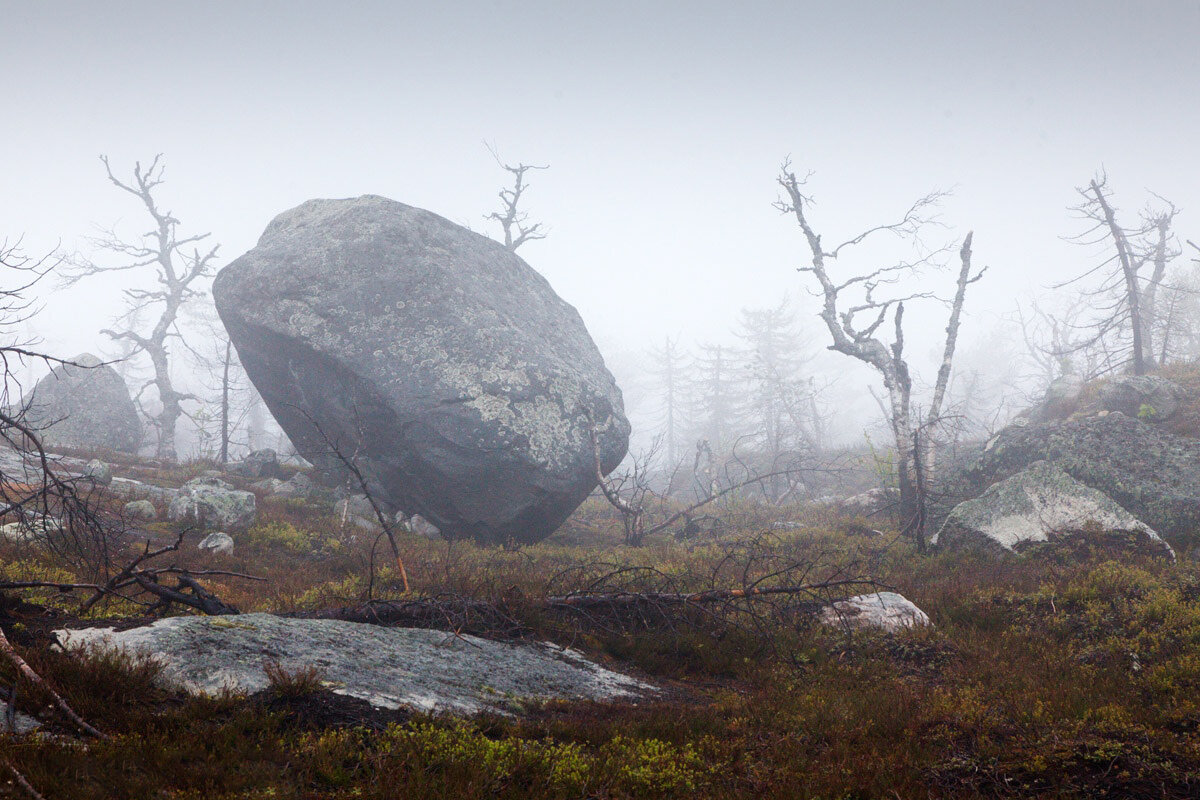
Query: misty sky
x=663, y=123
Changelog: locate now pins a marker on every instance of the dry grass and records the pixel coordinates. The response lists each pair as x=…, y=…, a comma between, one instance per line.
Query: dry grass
x=1043, y=678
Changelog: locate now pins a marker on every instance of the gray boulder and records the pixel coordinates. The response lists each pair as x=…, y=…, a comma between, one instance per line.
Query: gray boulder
x=259, y=464
x=1061, y=399
x=870, y=502
x=299, y=487
x=140, y=511
x=1152, y=474
x=98, y=472
x=425, y=670
x=1044, y=504
x=1145, y=397
x=884, y=611
x=462, y=385
x=84, y=405
x=217, y=542
x=213, y=503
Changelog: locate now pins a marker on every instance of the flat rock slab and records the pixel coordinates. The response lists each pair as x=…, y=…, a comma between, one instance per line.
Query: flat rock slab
x=416, y=668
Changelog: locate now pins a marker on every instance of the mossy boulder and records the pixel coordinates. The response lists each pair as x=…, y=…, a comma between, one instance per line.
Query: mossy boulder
x=1043, y=504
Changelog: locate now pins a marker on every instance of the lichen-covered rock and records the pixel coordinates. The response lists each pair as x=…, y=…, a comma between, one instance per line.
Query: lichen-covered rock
x=462, y=386
x=425, y=670
x=98, y=472
x=1149, y=472
x=137, y=490
x=1145, y=397
x=217, y=542
x=34, y=528
x=84, y=404
x=1044, y=504
x=213, y=503
x=885, y=611
x=140, y=511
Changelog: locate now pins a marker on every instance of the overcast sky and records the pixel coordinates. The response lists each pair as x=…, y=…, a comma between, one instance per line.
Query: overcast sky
x=663, y=125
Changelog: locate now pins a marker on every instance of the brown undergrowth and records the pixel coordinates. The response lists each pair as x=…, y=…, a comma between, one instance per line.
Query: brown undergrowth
x=1044, y=677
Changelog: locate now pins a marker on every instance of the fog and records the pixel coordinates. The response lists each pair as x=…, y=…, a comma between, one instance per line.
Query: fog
x=663, y=126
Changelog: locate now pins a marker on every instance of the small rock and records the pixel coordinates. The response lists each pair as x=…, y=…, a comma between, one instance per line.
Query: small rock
x=217, y=543
x=22, y=724
x=34, y=528
x=268, y=485
x=870, y=502
x=357, y=510
x=299, y=486
x=259, y=464
x=213, y=503
x=885, y=611
x=100, y=473
x=418, y=525
x=141, y=511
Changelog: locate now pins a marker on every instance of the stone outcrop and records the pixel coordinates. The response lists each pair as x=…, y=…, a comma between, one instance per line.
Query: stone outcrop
x=1150, y=473
x=425, y=670
x=84, y=404
x=1043, y=504
x=464, y=388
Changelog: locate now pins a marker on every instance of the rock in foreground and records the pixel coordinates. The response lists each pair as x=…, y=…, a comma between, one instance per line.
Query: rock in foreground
x=84, y=404
x=1044, y=504
x=415, y=668
x=886, y=611
x=450, y=370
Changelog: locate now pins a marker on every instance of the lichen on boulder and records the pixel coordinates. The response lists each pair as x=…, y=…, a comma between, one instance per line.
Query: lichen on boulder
x=463, y=387
x=1043, y=504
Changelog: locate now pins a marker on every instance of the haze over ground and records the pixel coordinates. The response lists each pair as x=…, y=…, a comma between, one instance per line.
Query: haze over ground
x=664, y=125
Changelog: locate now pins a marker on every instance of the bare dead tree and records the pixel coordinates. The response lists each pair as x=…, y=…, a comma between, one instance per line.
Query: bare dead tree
x=179, y=265
x=513, y=221
x=864, y=344
x=1125, y=303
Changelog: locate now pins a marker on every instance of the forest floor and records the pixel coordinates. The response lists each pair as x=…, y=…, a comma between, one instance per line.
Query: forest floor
x=1046, y=675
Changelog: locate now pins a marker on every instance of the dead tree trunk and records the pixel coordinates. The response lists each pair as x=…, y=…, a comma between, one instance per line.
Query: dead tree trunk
x=864, y=345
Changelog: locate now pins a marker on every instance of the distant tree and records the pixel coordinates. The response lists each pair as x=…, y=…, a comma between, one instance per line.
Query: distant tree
x=775, y=356
x=913, y=436
x=718, y=398
x=513, y=221
x=1126, y=302
x=177, y=266
x=671, y=378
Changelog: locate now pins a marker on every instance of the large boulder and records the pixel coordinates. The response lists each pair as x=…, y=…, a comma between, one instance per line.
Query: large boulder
x=1149, y=472
x=84, y=404
x=464, y=389
x=1043, y=504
